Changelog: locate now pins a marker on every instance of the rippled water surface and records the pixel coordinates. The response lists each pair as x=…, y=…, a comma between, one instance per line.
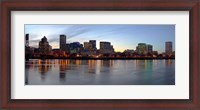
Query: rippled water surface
x=99, y=72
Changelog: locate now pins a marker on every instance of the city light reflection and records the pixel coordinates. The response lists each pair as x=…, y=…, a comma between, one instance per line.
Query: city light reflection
x=143, y=70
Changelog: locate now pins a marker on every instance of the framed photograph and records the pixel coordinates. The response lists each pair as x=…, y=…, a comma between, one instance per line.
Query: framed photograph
x=92, y=54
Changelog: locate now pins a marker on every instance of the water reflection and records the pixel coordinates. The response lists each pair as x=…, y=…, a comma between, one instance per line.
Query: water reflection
x=149, y=70
x=168, y=62
x=91, y=66
x=43, y=67
x=125, y=72
x=107, y=63
x=62, y=72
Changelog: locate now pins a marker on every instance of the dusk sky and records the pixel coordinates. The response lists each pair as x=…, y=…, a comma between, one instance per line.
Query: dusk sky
x=121, y=36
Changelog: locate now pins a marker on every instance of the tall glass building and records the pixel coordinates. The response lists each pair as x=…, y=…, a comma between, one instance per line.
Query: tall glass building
x=63, y=42
x=168, y=48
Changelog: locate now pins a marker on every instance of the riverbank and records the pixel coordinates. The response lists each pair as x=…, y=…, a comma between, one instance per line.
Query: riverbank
x=109, y=58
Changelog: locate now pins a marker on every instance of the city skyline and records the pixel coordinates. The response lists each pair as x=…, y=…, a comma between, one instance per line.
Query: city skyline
x=122, y=37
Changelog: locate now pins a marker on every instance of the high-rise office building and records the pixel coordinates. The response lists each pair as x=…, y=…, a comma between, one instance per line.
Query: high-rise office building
x=44, y=47
x=93, y=45
x=106, y=48
x=168, y=48
x=141, y=48
x=149, y=48
x=90, y=47
x=75, y=47
x=112, y=49
x=27, y=40
x=28, y=50
x=86, y=45
x=63, y=42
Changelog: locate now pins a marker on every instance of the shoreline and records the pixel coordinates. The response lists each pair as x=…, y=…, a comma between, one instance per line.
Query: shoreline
x=107, y=58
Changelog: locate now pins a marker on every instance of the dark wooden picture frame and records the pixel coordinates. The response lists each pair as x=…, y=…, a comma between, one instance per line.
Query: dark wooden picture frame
x=99, y=5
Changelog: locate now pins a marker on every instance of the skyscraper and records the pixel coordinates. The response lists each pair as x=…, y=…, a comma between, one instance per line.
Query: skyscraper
x=149, y=48
x=168, y=48
x=27, y=40
x=93, y=44
x=142, y=48
x=86, y=45
x=90, y=47
x=44, y=47
x=106, y=48
x=75, y=47
x=63, y=42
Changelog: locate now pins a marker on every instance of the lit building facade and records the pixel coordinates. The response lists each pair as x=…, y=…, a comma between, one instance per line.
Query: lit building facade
x=63, y=45
x=93, y=45
x=27, y=40
x=27, y=48
x=106, y=48
x=90, y=47
x=168, y=48
x=86, y=45
x=141, y=48
x=75, y=47
x=44, y=47
x=149, y=48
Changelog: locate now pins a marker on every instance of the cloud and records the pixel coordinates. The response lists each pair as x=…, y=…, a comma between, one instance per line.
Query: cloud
x=76, y=30
x=33, y=45
x=34, y=41
x=108, y=33
x=53, y=39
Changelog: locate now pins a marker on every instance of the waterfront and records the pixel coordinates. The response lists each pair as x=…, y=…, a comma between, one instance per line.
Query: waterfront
x=99, y=72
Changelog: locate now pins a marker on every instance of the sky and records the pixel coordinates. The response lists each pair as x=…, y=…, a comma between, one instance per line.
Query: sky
x=121, y=36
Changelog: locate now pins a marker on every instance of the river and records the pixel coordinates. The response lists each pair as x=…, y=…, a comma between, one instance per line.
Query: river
x=99, y=72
